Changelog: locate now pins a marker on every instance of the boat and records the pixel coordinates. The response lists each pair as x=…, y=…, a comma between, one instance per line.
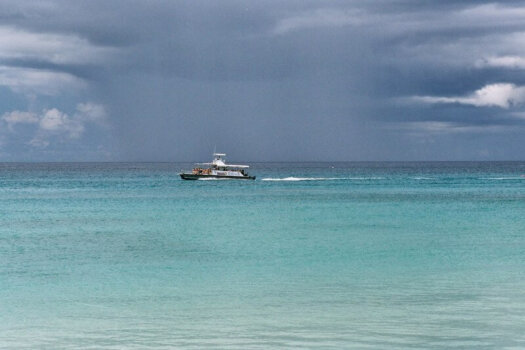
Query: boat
x=217, y=169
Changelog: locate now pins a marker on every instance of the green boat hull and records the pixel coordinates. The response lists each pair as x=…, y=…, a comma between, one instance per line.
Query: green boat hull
x=202, y=176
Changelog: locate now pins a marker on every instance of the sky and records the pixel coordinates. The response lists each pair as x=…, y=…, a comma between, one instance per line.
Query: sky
x=292, y=80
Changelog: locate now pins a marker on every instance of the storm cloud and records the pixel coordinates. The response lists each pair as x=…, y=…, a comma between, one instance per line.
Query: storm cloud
x=265, y=80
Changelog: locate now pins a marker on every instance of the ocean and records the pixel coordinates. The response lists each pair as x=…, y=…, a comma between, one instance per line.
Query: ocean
x=379, y=255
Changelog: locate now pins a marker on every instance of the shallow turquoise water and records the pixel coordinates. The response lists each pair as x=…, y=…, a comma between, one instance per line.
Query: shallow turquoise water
x=310, y=255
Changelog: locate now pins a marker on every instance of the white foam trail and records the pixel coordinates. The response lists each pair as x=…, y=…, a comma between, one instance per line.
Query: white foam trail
x=505, y=178
x=292, y=178
x=365, y=178
x=300, y=178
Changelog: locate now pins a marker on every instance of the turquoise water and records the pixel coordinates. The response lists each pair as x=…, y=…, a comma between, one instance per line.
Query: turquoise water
x=310, y=256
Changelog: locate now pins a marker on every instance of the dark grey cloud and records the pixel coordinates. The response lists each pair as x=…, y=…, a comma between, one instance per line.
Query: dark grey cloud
x=265, y=80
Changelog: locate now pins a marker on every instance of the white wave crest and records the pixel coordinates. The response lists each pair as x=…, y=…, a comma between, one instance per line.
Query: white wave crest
x=300, y=178
x=292, y=178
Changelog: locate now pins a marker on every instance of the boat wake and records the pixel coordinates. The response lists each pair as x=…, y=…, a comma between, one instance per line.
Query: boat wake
x=301, y=178
x=292, y=178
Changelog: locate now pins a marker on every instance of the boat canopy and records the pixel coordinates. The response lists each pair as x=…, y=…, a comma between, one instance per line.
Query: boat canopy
x=218, y=161
x=223, y=165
